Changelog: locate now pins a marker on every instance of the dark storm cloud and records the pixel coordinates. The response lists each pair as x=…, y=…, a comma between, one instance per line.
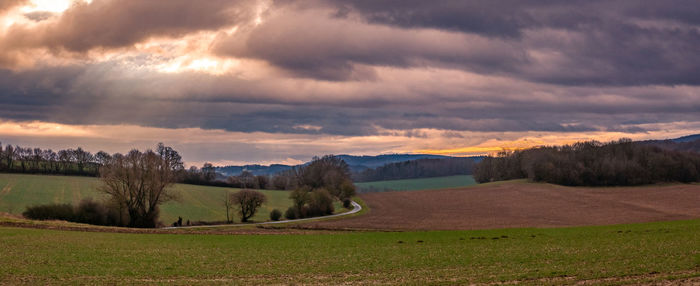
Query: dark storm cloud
x=97, y=95
x=509, y=18
x=310, y=43
x=497, y=18
x=569, y=43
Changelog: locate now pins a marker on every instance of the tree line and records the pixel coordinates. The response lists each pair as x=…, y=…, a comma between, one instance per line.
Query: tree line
x=591, y=163
x=17, y=159
x=421, y=168
x=317, y=185
x=137, y=183
x=689, y=146
x=314, y=189
x=78, y=162
x=207, y=175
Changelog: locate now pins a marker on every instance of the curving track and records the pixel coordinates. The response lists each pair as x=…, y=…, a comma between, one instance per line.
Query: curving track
x=355, y=209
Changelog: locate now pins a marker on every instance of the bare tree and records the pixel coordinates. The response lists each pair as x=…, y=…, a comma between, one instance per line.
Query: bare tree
x=25, y=155
x=10, y=156
x=82, y=158
x=208, y=172
x=248, y=202
x=247, y=179
x=36, y=158
x=65, y=157
x=140, y=182
x=102, y=157
x=228, y=203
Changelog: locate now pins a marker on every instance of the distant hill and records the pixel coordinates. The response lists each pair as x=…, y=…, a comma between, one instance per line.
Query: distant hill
x=359, y=164
x=690, y=143
x=381, y=160
x=420, y=168
x=356, y=164
x=689, y=138
x=255, y=169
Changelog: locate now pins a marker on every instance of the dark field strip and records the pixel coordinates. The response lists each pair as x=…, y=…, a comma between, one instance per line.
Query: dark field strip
x=515, y=204
x=603, y=254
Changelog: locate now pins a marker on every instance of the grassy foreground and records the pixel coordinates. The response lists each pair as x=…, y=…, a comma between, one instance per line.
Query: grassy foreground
x=17, y=191
x=417, y=184
x=605, y=254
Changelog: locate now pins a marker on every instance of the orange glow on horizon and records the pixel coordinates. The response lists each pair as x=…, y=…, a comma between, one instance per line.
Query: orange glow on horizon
x=466, y=151
x=125, y=137
x=37, y=128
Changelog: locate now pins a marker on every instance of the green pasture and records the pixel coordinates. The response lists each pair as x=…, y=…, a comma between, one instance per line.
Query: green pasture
x=417, y=184
x=17, y=191
x=633, y=253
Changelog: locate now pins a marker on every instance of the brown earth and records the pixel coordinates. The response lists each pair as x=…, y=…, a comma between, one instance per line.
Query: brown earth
x=521, y=204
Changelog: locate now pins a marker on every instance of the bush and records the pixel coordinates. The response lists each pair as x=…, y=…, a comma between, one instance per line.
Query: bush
x=291, y=213
x=87, y=211
x=320, y=203
x=275, y=215
x=50, y=212
x=347, y=203
x=91, y=212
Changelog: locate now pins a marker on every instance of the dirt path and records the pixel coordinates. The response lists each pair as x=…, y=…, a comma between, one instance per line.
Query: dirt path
x=10, y=220
x=355, y=209
x=518, y=204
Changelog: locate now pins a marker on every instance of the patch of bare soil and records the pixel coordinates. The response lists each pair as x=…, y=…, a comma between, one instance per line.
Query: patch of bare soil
x=518, y=204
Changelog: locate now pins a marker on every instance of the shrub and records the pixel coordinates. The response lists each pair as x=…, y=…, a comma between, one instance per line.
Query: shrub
x=91, y=212
x=304, y=212
x=50, y=212
x=347, y=203
x=275, y=215
x=320, y=203
x=291, y=213
x=87, y=211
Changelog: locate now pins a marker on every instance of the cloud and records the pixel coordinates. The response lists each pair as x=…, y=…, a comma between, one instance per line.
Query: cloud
x=115, y=23
x=579, y=43
x=198, y=145
x=399, y=99
x=313, y=44
x=498, y=18
x=410, y=75
x=9, y=4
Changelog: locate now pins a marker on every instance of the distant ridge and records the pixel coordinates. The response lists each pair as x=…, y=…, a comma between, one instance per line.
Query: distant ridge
x=689, y=138
x=356, y=163
x=690, y=143
x=360, y=163
x=381, y=160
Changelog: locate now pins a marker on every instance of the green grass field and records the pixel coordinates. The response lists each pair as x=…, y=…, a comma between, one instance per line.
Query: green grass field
x=17, y=191
x=417, y=184
x=604, y=254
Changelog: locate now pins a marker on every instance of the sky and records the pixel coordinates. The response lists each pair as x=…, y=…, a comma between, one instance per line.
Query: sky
x=262, y=81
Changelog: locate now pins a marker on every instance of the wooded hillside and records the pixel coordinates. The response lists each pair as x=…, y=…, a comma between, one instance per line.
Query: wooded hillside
x=618, y=163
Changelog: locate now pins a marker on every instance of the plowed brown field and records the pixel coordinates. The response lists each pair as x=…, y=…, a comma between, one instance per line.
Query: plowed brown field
x=520, y=204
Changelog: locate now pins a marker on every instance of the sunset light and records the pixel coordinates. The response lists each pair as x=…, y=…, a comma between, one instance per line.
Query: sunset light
x=343, y=77
x=349, y=142
x=54, y=6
